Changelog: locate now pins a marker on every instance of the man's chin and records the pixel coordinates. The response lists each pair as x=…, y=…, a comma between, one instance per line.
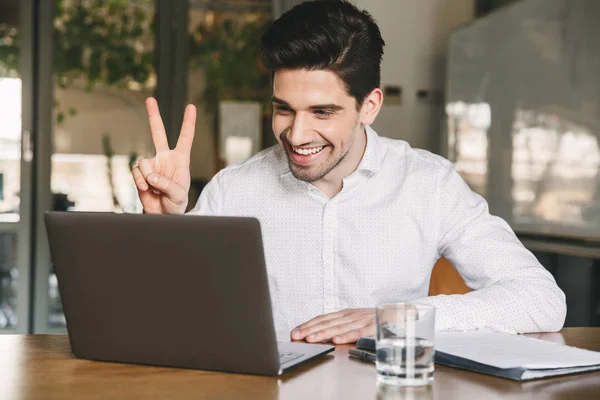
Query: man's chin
x=304, y=174
x=312, y=172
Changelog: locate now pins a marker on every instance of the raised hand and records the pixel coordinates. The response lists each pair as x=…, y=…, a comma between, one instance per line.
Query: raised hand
x=163, y=181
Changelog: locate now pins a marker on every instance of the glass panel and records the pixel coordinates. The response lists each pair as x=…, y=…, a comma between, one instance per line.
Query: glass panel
x=104, y=70
x=228, y=84
x=468, y=127
x=10, y=112
x=555, y=170
x=9, y=275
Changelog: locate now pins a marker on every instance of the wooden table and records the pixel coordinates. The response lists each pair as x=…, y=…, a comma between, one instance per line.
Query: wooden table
x=42, y=367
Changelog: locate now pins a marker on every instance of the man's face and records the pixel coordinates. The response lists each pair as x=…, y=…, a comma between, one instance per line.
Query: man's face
x=314, y=120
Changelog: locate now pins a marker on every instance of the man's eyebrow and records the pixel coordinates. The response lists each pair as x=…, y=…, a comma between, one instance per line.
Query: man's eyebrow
x=331, y=106
x=279, y=101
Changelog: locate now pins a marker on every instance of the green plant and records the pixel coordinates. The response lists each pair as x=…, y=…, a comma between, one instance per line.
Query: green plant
x=229, y=55
x=10, y=45
x=107, y=43
x=110, y=43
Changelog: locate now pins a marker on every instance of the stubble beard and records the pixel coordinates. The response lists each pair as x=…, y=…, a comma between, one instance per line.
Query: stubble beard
x=313, y=173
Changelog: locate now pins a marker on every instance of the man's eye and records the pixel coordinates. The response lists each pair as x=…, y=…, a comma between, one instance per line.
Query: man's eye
x=282, y=109
x=323, y=113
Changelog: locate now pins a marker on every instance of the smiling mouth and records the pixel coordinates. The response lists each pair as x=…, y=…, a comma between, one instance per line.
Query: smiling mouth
x=304, y=156
x=307, y=151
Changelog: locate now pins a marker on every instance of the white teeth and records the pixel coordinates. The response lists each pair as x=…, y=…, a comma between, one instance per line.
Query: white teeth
x=306, y=152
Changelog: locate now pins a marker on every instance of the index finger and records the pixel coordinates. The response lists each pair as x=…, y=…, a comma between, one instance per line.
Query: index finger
x=188, y=127
x=159, y=134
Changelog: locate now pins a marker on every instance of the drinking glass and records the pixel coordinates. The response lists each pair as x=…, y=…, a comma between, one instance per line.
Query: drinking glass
x=405, y=338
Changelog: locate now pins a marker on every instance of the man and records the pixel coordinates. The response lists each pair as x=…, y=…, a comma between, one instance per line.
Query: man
x=351, y=219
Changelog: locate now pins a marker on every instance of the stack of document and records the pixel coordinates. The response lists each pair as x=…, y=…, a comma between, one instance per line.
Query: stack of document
x=506, y=355
x=511, y=356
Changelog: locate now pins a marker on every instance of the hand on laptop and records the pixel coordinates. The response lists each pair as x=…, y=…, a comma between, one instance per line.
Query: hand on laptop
x=163, y=181
x=345, y=326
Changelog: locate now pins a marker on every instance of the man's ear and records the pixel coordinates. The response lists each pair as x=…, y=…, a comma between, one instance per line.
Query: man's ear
x=371, y=106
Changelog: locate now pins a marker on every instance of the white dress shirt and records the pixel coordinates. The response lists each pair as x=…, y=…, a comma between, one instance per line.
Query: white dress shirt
x=377, y=240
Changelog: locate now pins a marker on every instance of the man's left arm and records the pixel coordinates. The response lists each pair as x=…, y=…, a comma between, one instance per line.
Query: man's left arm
x=512, y=291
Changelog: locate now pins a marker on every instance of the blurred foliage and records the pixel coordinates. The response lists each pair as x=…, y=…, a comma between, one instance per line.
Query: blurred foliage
x=10, y=43
x=230, y=56
x=107, y=43
x=110, y=43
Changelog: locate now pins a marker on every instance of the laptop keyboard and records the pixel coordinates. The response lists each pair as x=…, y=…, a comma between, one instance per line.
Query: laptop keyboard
x=287, y=357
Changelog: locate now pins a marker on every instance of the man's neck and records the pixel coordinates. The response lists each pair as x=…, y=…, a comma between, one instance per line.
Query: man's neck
x=331, y=184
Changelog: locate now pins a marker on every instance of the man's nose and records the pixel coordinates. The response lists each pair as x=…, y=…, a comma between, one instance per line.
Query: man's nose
x=299, y=132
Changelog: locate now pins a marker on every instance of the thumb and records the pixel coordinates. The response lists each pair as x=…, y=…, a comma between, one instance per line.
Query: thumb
x=174, y=191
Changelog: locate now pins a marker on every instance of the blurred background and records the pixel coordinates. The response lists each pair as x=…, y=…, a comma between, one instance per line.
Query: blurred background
x=508, y=90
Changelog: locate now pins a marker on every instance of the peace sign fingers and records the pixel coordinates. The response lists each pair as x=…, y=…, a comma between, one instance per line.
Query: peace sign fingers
x=159, y=134
x=186, y=135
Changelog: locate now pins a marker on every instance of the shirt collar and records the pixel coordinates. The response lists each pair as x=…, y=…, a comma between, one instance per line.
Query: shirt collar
x=370, y=162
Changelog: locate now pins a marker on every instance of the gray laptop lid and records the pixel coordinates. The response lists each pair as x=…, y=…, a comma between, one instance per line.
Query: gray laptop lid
x=182, y=291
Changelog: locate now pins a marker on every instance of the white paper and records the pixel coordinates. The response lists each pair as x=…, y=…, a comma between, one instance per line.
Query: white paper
x=503, y=350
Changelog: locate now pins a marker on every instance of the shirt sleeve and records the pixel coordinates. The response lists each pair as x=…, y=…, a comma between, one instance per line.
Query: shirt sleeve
x=210, y=201
x=512, y=291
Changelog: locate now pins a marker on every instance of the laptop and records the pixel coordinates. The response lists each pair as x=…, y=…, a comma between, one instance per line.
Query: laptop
x=169, y=290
